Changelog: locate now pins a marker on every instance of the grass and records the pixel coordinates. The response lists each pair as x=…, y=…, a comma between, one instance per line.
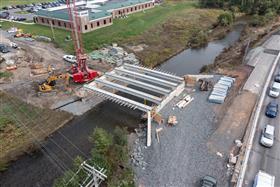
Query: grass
x=4, y=3
x=6, y=74
x=21, y=124
x=22, y=12
x=121, y=30
x=166, y=29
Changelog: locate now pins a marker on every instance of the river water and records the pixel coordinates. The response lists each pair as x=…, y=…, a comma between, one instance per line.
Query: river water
x=191, y=60
x=38, y=168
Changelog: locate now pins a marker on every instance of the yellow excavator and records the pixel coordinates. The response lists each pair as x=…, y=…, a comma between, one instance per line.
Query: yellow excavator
x=49, y=84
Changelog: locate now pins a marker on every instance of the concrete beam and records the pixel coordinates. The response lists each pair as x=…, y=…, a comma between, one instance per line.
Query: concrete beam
x=155, y=73
x=117, y=98
x=149, y=129
x=146, y=77
x=130, y=91
x=137, y=83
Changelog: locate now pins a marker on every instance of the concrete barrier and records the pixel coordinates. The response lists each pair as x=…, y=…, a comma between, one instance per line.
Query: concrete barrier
x=254, y=122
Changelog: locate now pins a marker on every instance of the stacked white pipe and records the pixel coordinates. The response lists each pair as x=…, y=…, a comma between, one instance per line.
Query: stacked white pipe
x=221, y=89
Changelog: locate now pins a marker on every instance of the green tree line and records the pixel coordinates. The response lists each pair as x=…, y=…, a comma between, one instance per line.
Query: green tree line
x=260, y=7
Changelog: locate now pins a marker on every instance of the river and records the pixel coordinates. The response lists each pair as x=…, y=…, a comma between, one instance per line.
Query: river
x=37, y=169
x=191, y=60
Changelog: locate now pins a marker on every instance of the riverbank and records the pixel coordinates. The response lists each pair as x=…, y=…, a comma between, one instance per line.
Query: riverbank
x=233, y=56
x=23, y=127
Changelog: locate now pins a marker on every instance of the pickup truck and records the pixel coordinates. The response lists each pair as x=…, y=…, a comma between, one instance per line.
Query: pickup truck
x=70, y=58
x=263, y=179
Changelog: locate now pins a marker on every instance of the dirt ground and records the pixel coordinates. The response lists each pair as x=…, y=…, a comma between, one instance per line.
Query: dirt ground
x=25, y=118
x=25, y=79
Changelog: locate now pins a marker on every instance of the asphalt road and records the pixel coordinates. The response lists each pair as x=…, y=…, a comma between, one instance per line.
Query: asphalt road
x=261, y=158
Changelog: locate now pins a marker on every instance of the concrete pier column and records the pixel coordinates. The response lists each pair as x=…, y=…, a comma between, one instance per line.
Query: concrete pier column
x=149, y=129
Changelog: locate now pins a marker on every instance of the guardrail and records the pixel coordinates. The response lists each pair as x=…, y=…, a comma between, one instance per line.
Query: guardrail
x=254, y=124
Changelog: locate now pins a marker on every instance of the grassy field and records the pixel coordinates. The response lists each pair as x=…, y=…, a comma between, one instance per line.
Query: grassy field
x=22, y=124
x=170, y=22
x=4, y=3
x=121, y=29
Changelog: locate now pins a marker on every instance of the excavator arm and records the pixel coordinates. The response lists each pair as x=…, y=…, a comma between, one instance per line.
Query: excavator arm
x=49, y=84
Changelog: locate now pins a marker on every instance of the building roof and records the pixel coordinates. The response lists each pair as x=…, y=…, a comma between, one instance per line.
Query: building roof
x=102, y=11
x=120, y=4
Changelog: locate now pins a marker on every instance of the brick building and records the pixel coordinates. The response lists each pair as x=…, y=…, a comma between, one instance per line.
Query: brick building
x=92, y=15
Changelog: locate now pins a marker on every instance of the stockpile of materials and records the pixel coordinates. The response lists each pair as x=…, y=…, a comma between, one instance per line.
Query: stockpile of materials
x=114, y=55
x=221, y=89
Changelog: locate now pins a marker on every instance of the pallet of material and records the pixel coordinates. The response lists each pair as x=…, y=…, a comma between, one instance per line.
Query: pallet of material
x=172, y=120
x=216, y=99
x=184, y=102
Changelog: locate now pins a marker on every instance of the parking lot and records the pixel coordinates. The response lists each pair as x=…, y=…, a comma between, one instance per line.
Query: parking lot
x=26, y=12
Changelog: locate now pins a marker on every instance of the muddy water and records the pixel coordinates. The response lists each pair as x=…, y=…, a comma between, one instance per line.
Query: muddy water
x=38, y=169
x=191, y=60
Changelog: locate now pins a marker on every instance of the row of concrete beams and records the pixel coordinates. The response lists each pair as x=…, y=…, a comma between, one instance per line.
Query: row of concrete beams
x=147, y=78
x=155, y=73
x=118, y=99
x=128, y=90
x=137, y=83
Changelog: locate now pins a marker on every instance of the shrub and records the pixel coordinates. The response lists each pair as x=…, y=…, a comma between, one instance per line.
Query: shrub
x=6, y=74
x=111, y=153
x=3, y=166
x=258, y=20
x=225, y=19
x=4, y=122
x=198, y=38
x=101, y=140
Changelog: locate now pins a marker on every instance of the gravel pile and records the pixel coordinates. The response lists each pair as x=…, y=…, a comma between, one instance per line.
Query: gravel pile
x=183, y=155
x=137, y=156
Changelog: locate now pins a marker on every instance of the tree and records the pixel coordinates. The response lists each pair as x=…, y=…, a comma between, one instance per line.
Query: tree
x=101, y=140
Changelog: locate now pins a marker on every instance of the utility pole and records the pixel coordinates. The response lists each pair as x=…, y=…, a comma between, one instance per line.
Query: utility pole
x=93, y=177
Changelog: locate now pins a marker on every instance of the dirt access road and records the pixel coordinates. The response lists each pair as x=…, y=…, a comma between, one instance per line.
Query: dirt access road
x=24, y=84
x=25, y=118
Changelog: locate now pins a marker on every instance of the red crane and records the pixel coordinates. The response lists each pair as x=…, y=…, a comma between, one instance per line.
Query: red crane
x=80, y=72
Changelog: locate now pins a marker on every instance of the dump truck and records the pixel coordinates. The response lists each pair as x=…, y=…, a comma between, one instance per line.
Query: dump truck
x=263, y=179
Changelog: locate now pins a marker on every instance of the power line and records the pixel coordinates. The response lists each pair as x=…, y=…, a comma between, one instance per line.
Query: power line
x=60, y=133
x=45, y=151
x=31, y=120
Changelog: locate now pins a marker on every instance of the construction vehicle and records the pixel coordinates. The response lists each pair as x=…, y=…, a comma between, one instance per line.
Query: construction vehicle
x=205, y=85
x=20, y=34
x=49, y=84
x=80, y=72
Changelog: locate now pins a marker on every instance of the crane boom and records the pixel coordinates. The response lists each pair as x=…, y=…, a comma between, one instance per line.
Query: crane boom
x=80, y=72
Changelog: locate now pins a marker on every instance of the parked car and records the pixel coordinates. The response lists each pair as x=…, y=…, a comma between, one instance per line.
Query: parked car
x=277, y=78
x=4, y=15
x=13, y=45
x=208, y=181
x=4, y=49
x=20, y=19
x=70, y=58
x=274, y=90
x=271, y=110
x=267, y=136
x=263, y=179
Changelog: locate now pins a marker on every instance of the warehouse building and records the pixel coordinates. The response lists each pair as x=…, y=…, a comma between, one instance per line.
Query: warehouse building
x=92, y=14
